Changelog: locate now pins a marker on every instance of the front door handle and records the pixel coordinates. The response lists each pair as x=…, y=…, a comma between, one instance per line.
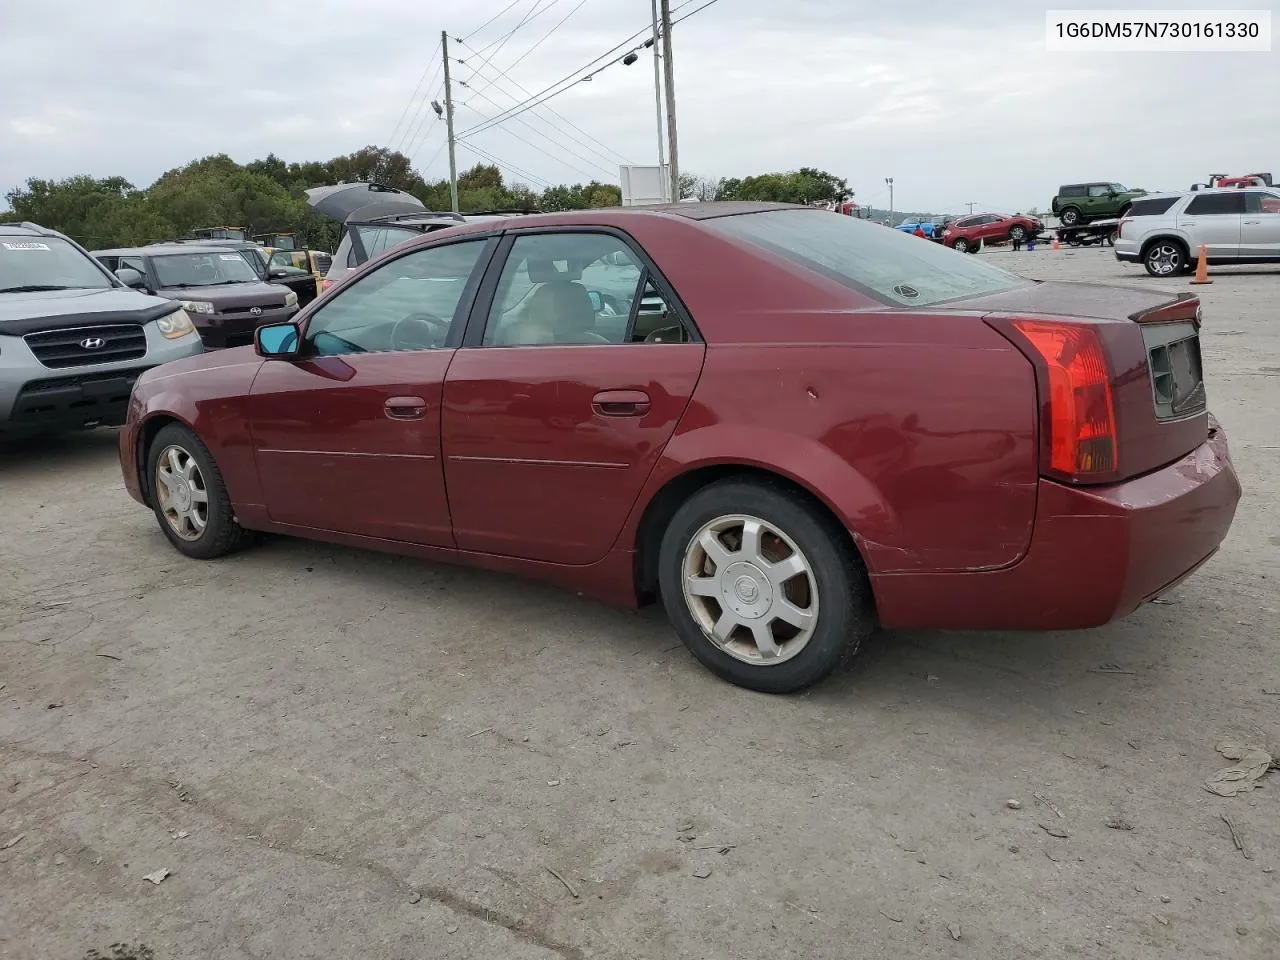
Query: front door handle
x=620, y=403
x=405, y=408
x=1253, y=221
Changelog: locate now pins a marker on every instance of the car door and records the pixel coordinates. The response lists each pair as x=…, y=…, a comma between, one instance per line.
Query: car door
x=1097, y=202
x=1260, y=226
x=1214, y=220
x=347, y=436
x=577, y=365
x=992, y=228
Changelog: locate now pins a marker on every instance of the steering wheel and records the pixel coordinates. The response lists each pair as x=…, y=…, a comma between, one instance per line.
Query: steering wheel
x=419, y=331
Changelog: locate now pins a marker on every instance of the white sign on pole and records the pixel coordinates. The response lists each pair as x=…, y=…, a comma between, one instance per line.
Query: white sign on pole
x=644, y=185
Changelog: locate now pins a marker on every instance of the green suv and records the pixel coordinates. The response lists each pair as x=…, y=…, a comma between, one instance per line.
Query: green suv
x=1078, y=203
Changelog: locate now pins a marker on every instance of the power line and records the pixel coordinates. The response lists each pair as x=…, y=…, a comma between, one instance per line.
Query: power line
x=420, y=133
x=412, y=96
x=533, y=14
x=511, y=66
x=484, y=155
x=691, y=12
x=491, y=19
x=551, y=140
x=570, y=78
x=585, y=173
x=586, y=146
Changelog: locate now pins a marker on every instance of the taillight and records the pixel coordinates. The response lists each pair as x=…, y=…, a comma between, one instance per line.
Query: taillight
x=325, y=284
x=1120, y=227
x=1080, y=420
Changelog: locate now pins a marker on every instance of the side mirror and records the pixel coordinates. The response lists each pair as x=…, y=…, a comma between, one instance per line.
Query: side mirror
x=277, y=273
x=597, y=301
x=131, y=278
x=277, y=341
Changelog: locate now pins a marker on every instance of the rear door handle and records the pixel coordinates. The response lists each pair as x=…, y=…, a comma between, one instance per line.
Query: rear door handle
x=620, y=403
x=405, y=408
x=1253, y=221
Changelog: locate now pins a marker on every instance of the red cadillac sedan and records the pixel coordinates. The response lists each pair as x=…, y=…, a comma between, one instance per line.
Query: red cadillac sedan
x=790, y=426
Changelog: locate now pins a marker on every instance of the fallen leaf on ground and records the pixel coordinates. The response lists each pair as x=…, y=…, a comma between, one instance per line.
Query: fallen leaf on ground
x=1242, y=776
x=1117, y=823
x=954, y=930
x=1053, y=831
x=157, y=876
x=12, y=842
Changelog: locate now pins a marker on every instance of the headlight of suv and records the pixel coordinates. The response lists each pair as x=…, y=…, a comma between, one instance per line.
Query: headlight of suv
x=290, y=299
x=175, y=325
x=197, y=306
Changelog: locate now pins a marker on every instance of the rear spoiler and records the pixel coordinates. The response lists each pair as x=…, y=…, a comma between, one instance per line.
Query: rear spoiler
x=1184, y=306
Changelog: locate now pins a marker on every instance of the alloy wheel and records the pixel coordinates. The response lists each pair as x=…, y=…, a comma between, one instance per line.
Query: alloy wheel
x=181, y=491
x=1164, y=259
x=750, y=589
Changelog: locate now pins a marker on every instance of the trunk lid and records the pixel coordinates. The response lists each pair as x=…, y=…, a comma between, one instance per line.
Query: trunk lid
x=1152, y=344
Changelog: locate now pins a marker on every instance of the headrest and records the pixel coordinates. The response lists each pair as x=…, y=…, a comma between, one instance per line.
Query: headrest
x=544, y=271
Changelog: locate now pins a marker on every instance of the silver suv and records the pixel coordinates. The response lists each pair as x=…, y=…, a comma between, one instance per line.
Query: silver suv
x=1235, y=225
x=74, y=338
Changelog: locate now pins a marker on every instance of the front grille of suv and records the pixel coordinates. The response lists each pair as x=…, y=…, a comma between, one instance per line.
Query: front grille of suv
x=85, y=346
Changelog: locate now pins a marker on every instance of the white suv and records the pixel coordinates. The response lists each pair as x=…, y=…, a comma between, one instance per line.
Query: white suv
x=1234, y=224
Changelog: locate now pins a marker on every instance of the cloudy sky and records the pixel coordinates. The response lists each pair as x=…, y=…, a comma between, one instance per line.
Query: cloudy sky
x=958, y=102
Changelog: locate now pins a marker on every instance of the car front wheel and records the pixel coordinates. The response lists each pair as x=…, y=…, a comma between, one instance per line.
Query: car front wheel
x=189, y=498
x=1017, y=233
x=761, y=588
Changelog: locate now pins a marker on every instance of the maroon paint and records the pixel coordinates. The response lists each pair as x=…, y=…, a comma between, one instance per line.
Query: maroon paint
x=918, y=429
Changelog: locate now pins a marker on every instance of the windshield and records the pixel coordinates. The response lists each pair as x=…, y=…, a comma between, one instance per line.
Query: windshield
x=202, y=269
x=46, y=263
x=888, y=265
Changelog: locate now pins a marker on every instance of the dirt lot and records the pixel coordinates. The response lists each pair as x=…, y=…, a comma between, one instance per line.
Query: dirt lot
x=341, y=754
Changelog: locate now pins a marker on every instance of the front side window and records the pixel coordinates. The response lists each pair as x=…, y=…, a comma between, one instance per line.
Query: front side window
x=1100, y=190
x=46, y=263
x=577, y=288
x=1211, y=204
x=886, y=265
x=202, y=269
x=411, y=303
x=1255, y=201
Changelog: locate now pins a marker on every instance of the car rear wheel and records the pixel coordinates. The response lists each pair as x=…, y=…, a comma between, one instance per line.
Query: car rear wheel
x=761, y=588
x=189, y=498
x=1069, y=217
x=1165, y=258
x=961, y=244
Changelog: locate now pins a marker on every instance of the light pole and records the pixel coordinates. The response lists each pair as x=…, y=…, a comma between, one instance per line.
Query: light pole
x=889, y=181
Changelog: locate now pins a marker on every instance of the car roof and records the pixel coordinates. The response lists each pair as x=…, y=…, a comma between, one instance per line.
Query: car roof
x=26, y=228
x=158, y=249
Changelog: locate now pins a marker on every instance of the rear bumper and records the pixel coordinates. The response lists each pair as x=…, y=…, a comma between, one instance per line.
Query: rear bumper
x=1128, y=251
x=1096, y=553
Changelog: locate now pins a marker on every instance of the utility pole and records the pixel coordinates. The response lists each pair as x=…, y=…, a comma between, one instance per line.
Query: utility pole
x=448, y=119
x=657, y=85
x=668, y=65
x=972, y=204
x=889, y=181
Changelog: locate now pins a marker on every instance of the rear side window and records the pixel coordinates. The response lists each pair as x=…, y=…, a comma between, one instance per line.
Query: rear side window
x=887, y=265
x=1151, y=208
x=1216, y=203
x=377, y=240
x=1073, y=190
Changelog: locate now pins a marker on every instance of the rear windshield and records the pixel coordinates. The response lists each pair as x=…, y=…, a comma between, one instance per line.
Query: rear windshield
x=202, y=269
x=46, y=263
x=888, y=265
x=1151, y=208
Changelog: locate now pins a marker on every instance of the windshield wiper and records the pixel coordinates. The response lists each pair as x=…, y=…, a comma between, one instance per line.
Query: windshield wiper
x=37, y=288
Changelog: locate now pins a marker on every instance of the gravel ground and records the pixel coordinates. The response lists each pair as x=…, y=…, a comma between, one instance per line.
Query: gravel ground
x=341, y=754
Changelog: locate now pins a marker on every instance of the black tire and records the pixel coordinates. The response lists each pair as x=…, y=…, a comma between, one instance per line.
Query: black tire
x=833, y=583
x=1165, y=258
x=221, y=534
x=1071, y=217
x=960, y=244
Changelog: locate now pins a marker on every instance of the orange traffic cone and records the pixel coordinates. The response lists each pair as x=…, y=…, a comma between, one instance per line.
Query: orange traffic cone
x=1202, y=266
x=1056, y=245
